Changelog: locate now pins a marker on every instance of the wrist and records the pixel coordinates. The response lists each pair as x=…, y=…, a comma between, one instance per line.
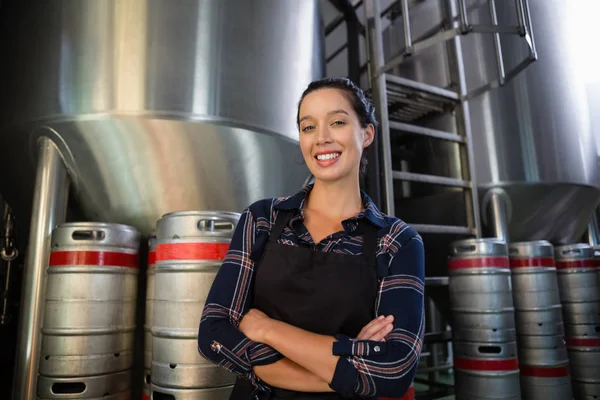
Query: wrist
x=268, y=331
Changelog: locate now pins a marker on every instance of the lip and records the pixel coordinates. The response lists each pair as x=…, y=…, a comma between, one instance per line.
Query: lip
x=327, y=163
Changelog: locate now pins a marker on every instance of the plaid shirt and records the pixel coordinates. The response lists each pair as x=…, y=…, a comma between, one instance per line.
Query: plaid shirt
x=362, y=369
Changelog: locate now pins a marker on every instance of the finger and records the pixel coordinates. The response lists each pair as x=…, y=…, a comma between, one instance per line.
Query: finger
x=375, y=327
x=381, y=334
x=367, y=326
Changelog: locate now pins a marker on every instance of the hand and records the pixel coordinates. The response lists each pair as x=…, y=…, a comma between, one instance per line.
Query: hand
x=377, y=329
x=255, y=324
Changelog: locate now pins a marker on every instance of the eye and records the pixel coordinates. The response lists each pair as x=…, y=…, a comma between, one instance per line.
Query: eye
x=308, y=128
x=339, y=122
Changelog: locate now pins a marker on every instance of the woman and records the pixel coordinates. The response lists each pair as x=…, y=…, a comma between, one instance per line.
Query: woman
x=320, y=295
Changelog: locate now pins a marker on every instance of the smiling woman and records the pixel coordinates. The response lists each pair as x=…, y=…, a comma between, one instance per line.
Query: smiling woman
x=320, y=295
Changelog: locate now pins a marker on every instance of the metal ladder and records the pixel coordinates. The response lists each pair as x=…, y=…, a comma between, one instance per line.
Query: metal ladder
x=399, y=101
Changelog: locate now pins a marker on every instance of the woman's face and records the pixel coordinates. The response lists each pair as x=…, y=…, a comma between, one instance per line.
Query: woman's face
x=331, y=137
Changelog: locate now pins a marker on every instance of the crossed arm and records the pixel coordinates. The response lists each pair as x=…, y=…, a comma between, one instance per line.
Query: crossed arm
x=309, y=366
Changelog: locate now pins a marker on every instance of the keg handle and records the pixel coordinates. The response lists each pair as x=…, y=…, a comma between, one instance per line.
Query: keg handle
x=465, y=248
x=570, y=252
x=96, y=235
x=215, y=225
x=68, y=387
x=489, y=349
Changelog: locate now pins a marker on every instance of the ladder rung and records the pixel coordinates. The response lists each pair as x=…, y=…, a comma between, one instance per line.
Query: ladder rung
x=422, y=87
x=442, y=229
x=436, y=180
x=436, y=281
x=419, y=130
x=437, y=337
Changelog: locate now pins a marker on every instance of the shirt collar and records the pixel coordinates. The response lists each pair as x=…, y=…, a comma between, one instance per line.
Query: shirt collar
x=370, y=212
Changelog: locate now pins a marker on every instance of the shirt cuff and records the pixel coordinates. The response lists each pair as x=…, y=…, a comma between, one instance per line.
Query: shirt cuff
x=344, y=378
x=346, y=346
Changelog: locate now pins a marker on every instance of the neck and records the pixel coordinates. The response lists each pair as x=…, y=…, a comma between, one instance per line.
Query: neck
x=340, y=199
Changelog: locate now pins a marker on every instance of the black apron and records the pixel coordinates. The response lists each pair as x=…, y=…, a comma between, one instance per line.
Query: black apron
x=321, y=292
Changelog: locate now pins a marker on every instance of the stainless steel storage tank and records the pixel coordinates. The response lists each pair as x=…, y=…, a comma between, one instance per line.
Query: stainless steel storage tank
x=157, y=105
x=532, y=137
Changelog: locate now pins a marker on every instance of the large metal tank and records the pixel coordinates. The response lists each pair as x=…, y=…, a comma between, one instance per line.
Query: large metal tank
x=532, y=137
x=157, y=106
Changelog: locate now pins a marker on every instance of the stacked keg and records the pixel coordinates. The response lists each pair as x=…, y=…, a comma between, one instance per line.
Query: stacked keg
x=580, y=298
x=149, y=313
x=89, y=316
x=543, y=359
x=190, y=248
x=484, y=337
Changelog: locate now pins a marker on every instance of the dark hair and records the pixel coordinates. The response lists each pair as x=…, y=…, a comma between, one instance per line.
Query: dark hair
x=358, y=99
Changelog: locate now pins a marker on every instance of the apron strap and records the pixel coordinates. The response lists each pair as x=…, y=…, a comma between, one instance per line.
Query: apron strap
x=281, y=221
x=369, y=249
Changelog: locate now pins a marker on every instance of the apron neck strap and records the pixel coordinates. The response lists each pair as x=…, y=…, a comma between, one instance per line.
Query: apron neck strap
x=282, y=219
x=369, y=249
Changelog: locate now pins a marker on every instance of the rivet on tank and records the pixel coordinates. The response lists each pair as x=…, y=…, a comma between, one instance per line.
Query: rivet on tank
x=191, y=246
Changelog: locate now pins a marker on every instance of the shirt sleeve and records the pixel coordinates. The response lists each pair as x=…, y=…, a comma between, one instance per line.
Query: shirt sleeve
x=387, y=369
x=229, y=298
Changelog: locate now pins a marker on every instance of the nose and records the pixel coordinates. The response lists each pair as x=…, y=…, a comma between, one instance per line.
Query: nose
x=323, y=134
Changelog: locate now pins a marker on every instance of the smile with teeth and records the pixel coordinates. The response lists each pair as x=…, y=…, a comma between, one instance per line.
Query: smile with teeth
x=330, y=156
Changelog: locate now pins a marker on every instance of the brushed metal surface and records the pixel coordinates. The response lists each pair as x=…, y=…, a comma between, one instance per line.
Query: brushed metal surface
x=158, y=108
x=533, y=137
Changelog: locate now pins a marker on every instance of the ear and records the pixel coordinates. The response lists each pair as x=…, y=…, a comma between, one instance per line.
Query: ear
x=369, y=136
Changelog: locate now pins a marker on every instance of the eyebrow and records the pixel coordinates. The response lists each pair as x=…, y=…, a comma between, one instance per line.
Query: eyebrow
x=340, y=111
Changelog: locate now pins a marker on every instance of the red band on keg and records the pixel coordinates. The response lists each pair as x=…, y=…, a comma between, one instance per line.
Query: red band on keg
x=576, y=264
x=510, y=364
x=93, y=258
x=484, y=262
x=545, y=372
x=151, y=257
x=582, y=342
x=191, y=251
x=531, y=262
x=145, y=397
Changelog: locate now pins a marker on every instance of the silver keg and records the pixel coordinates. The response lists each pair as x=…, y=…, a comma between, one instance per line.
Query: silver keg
x=584, y=354
x=149, y=307
x=89, y=316
x=191, y=246
x=480, y=291
x=535, y=290
x=577, y=277
x=115, y=386
x=217, y=393
x=544, y=365
x=486, y=371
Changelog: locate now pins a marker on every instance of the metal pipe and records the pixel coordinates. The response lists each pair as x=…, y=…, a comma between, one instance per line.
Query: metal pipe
x=520, y=17
x=497, y=44
x=530, y=38
x=48, y=210
x=408, y=47
x=463, y=119
x=497, y=216
x=378, y=85
x=463, y=18
x=594, y=231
